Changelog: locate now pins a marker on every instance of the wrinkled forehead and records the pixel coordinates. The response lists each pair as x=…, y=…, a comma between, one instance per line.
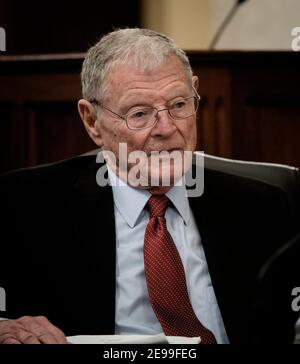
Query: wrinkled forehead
x=121, y=73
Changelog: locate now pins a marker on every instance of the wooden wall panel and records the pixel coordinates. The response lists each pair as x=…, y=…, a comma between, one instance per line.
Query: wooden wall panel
x=271, y=133
x=12, y=135
x=54, y=129
x=214, y=117
x=252, y=105
x=266, y=118
x=40, y=132
x=39, y=121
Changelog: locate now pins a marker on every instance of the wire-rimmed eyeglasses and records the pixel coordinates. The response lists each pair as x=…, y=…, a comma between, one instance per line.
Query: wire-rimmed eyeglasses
x=146, y=117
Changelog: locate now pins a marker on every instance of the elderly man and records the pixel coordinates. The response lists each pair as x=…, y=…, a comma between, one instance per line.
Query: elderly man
x=137, y=257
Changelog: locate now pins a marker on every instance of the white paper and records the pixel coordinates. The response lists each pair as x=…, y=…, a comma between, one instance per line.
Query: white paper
x=118, y=339
x=132, y=339
x=183, y=340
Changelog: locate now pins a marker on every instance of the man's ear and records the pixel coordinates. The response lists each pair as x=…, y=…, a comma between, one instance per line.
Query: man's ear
x=89, y=118
x=195, y=82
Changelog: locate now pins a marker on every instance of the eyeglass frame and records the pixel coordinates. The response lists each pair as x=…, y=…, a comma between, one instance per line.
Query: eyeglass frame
x=124, y=117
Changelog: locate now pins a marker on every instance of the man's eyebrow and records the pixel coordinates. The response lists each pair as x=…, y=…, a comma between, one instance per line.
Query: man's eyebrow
x=181, y=96
x=146, y=101
x=135, y=105
x=136, y=102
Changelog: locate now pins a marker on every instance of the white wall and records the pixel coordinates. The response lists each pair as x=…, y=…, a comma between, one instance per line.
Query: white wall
x=258, y=24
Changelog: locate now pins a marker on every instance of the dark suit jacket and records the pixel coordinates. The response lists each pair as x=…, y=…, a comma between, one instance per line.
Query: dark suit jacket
x=58, y=248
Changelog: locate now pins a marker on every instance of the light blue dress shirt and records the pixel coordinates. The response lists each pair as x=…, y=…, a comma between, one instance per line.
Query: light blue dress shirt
x=134, y=314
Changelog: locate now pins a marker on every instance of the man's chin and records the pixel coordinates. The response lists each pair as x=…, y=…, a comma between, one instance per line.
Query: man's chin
x=160, y=172
x=157, y=183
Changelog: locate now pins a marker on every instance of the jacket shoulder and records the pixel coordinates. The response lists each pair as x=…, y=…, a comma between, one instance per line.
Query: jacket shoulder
x=52, y=174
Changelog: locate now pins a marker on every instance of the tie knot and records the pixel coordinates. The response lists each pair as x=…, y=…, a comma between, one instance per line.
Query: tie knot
x=158, y=205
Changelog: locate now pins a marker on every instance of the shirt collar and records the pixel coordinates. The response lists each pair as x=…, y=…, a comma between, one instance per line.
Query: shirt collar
x=124, y=195
x=129, y=201
x=177, y=195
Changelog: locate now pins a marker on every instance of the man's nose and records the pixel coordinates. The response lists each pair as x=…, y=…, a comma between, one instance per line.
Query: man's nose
x=164, y=125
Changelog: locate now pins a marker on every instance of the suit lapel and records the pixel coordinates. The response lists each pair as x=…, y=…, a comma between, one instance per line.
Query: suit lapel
x=213, y=225
x=92, y=209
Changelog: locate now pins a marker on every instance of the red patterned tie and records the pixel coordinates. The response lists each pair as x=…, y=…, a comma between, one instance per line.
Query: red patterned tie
x=166, y=278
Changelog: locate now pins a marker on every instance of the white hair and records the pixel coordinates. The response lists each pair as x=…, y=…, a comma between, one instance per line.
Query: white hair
x=143, y=48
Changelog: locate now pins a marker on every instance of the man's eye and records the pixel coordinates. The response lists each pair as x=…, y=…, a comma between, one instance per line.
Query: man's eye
x=139, y=114
x=179, y=104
